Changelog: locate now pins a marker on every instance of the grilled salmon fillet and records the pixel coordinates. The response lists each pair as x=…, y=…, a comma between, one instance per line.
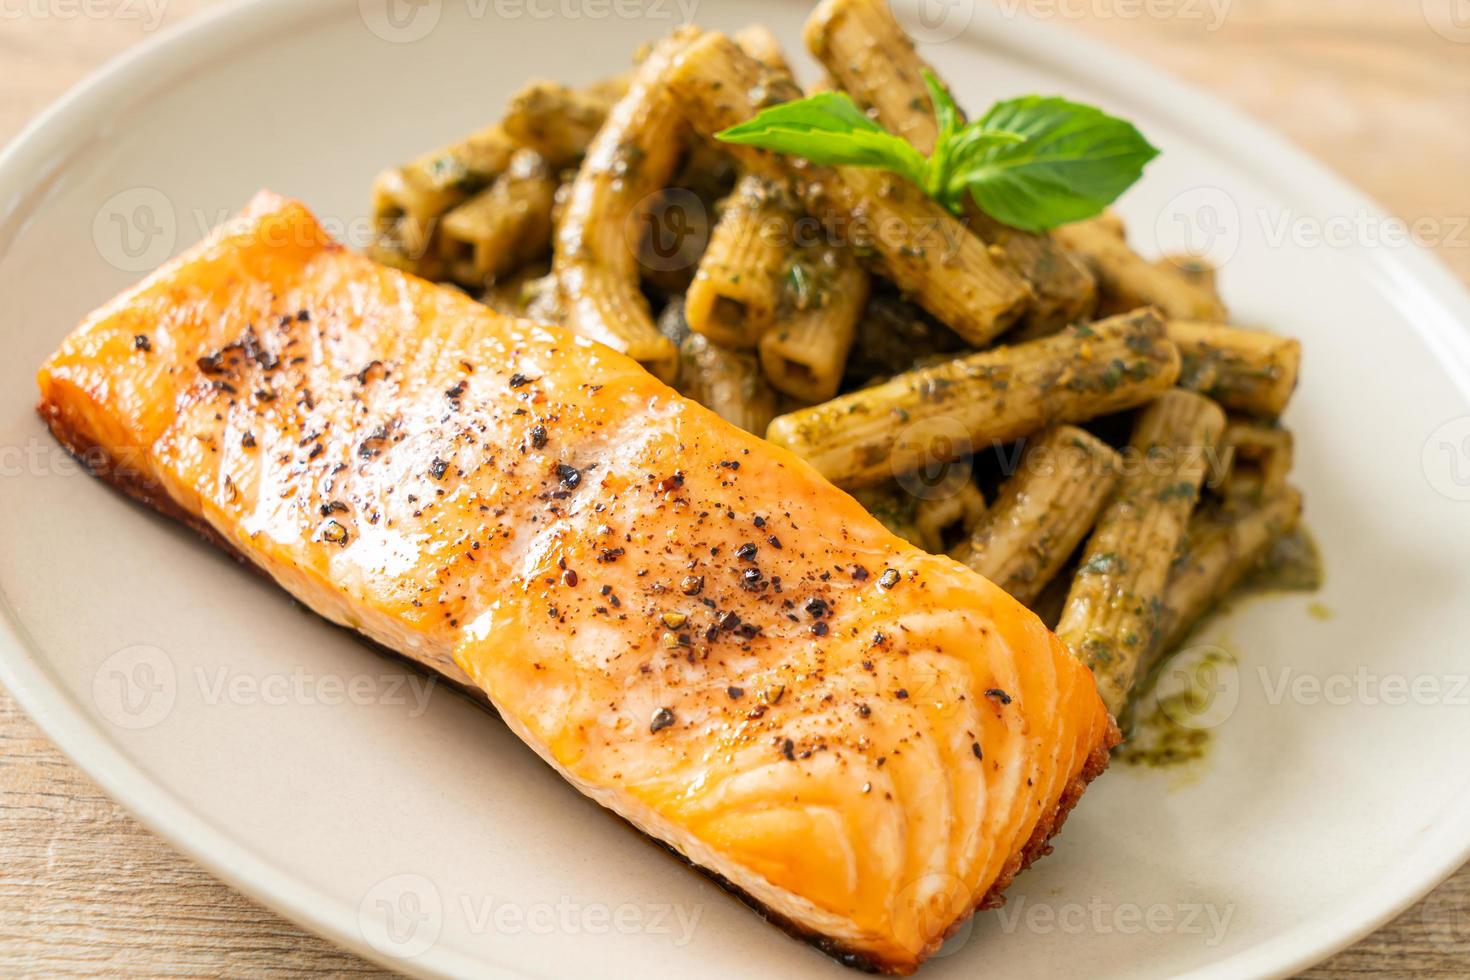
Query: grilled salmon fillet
x=689, y=624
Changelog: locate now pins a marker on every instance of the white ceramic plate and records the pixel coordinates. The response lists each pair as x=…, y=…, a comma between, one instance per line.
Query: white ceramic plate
x=300, y=768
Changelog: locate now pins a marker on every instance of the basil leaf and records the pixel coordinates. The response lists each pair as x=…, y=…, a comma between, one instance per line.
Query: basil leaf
x=1031, y=162
x=946, y=113
x=973, y=138
x=828, y=129
x=953, y=187
x=948, y=118
x=1074, y=161
x=832, y=112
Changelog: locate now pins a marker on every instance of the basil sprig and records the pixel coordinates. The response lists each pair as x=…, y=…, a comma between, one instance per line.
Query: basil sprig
x=1033, y=162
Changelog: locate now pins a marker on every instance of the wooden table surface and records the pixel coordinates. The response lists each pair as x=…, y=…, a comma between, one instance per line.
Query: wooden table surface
x=1379, y=89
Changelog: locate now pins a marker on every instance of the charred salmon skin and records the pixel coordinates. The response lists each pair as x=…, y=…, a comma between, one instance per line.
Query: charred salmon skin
x=691, y=625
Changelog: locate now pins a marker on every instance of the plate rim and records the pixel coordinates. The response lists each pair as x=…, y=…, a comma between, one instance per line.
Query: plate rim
x=40, y=151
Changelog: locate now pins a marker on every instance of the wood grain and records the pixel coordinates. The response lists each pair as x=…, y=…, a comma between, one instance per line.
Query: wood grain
x=1366, y=85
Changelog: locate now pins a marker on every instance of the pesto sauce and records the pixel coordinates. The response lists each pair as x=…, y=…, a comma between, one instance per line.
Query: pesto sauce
x=1152, y=723
x=1293, y=564
x=1174, y=728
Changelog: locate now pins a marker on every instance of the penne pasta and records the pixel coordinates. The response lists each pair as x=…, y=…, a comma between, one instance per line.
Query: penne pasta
x=926, y=251
x=995, y=396
x=1126, y=280
x=1260, y=459
x=595, y=262
x=1111, y=618
x=1044, y=510
x=1196, y=271
x=922, y=248
x=1111, y=222
x=1049, y=604
x=869, y=56
x=502, y=228
x=753, y=268
x=863, y=47
x=388, y=250
x=935, y=516
x=728, y=382
x=408, y=201
x=761, y=43
x=805, y=353
x=739, y=282
x=559, y=122
x=1064, y=287
x=1249, y=371
x=1223, y=544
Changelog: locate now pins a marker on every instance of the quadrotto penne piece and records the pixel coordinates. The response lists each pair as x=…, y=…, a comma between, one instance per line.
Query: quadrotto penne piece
x=1249, y=371
x=1223, y=544
x=502, y=227
x=409, y=200
x=943, y=412
x=805, y=353
x=741, y=277
x=596, y=251
x=1111, y=618
x=727, y=382
x=1259, y=457
x=1127, y=280
x=1044, y=510
x=559, y=122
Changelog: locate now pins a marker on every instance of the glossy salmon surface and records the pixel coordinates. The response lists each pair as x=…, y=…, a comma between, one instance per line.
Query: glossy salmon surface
x=688, y=623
